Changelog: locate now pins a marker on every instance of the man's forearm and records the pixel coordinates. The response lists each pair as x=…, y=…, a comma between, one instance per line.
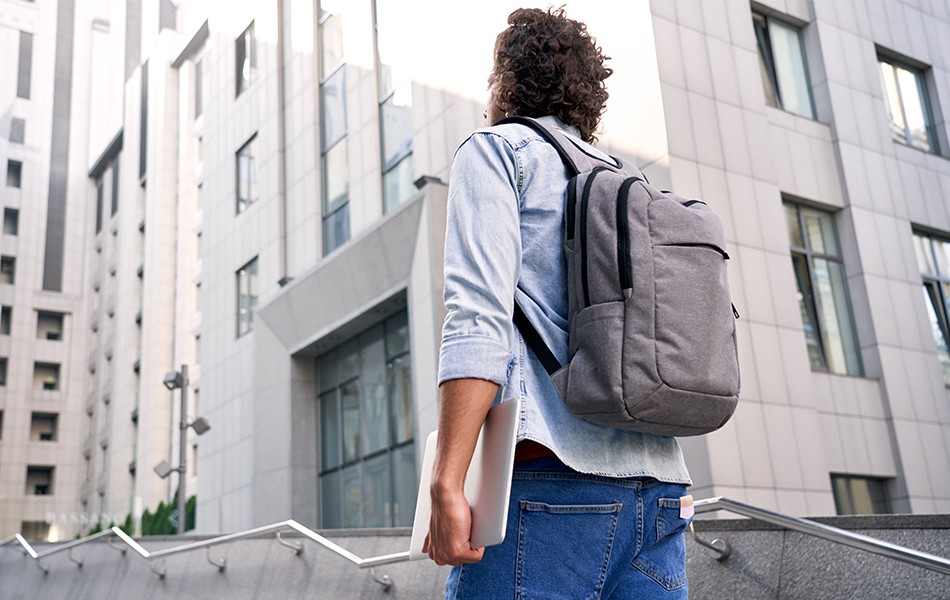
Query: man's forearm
x=464, y=403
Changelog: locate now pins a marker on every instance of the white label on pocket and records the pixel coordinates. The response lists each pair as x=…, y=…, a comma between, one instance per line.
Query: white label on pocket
x=686, y=507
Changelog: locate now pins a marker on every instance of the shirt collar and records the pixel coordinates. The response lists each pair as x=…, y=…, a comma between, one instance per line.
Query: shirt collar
x=558, y=124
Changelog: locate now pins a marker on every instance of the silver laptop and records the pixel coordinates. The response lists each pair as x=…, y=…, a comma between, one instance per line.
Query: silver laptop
x=487, y=485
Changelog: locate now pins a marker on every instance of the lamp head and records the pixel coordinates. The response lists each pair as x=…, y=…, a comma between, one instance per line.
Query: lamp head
x=200, y=425
x=173, y=380
x=163, y=469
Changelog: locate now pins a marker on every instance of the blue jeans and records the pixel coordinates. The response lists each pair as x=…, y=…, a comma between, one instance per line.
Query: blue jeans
x=573, y=536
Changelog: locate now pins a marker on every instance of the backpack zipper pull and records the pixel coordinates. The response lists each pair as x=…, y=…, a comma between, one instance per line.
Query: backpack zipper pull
x=734, y=311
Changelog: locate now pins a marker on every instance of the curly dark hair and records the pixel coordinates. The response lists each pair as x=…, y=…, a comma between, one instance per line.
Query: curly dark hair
x=547, y=64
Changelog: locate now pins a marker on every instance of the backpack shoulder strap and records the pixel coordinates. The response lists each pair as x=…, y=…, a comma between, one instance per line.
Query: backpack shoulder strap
x=534, y=341
x=576, y=158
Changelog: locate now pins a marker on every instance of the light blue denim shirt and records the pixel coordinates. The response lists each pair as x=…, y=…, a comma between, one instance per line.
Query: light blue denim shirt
x=504, y=238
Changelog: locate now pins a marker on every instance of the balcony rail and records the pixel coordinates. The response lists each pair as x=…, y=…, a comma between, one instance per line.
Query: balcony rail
x=833, y=534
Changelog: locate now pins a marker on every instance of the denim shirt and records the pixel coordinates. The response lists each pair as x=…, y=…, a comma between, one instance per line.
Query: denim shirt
x=504, y=239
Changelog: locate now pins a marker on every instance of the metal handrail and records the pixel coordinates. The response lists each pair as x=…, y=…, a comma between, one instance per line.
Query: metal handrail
x=827, y=532
x=833, y=534
x=362, y=563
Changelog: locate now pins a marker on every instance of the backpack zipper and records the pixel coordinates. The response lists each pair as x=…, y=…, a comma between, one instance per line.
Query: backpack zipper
x=585, y=199
x=701, y=245
x=623, y=237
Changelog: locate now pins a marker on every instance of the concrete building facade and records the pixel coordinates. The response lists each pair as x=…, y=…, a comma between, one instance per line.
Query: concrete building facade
x=280, y=205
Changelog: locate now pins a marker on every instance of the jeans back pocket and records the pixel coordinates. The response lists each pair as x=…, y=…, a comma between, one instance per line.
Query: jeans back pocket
x=564, y=550
x=664, y=560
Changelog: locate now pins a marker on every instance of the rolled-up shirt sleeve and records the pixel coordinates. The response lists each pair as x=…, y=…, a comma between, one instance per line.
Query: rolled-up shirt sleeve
x=482, y=260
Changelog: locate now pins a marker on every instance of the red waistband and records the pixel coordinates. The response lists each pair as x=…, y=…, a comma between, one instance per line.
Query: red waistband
x=527, y=449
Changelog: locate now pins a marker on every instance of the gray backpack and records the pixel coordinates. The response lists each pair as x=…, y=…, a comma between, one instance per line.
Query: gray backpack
x=652, y=329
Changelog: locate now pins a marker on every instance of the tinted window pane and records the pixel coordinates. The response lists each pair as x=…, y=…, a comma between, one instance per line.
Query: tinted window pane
x=331, y=44
x=329, y=430
x=925, y=260
x=396, y=116
x=806, y=303
x=352, y=497
x=377, y=492
x=404, y=477
x=397, y=335
x=333, y=98
x=335, y=178
x=350, y=400
x=336, y=229
x=400, y=395
x=398, y=184
x=820, y=231
x=794, y=226
x=349, y=360
x=914, y=112
x=935, y=315
x=839, y=339
x=327, y=366
x=331, y=496
x=373, y=388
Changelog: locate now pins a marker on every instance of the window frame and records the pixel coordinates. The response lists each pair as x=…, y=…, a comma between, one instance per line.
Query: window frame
x=812, y=301
x=846, y=481
x=919, y=72
x=761, y=28
x=936, y=282
x=242, y=204
x=253, y=297
x=245, y=52
x=364, y=454
x=15, y=174
x=333, y=214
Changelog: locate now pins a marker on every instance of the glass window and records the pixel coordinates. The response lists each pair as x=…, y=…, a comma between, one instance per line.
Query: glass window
x=100, y=193
x=17, y=130
x=782, y=64
x=247, y=292
x=333, y=100
x=43, y=427
x=14, y=173
x=115, y=186
x=246, y=170
x=6, y=316
x=143, y=123
x=245, y=60
x=39, y=481
x=3, y=371
x=908, y=111
x=331, y=38
x=46, y=376
x=932, y=260
x=25, y=65
x=860, y=495
x=11, y=221
x=335, y=164
x=395, y=105
x=49, y=325
x=822, y=291
x=199, y=91
x=336, y=210
x=7, y=269
x=367, y=452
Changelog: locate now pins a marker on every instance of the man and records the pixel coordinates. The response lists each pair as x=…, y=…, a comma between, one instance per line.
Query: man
x=594, y=511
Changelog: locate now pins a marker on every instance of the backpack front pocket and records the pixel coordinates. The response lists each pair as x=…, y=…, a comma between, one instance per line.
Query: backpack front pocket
x=691, y=343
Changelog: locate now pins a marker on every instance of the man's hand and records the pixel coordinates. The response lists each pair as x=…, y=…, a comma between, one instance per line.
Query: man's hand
x=463, y=405
x=450, y=529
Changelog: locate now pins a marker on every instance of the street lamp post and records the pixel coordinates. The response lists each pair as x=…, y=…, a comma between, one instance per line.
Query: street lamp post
x=179, y=380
